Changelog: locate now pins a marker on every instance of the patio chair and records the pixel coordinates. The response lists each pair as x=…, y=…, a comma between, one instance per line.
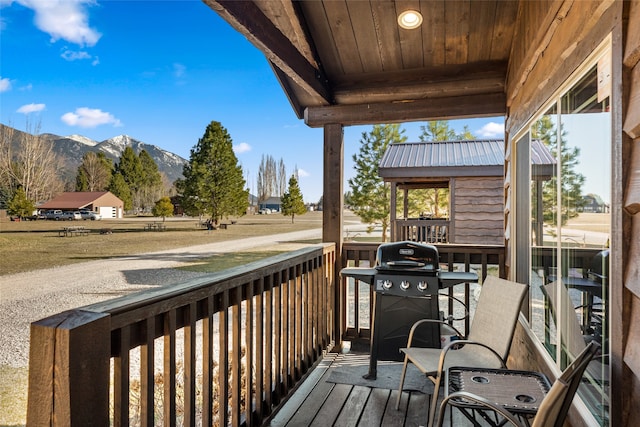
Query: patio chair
x=487, y=344
x=552, y=410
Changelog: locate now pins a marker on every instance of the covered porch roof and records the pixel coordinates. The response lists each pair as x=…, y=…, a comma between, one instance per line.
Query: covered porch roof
x=349, y=62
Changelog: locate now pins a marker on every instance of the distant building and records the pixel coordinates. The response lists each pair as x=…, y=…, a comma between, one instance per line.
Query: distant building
x=104, y=203
x=272, y=203
x=473, y=173
x=594, y=203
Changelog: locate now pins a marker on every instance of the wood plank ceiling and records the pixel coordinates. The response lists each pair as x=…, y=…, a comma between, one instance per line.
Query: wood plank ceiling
x=350, y=62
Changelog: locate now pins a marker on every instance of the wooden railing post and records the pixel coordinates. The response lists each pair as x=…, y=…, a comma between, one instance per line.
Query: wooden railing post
x=69, y=370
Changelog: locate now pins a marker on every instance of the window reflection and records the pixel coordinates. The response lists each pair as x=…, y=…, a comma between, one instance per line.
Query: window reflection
x=570, y=231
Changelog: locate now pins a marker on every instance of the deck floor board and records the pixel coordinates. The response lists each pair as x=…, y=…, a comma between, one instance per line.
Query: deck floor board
x=321, y=403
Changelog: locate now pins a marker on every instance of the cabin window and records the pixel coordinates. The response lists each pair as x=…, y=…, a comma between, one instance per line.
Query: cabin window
x=568, y=233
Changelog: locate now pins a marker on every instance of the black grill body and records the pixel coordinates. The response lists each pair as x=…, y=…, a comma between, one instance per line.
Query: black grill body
x=405, y=281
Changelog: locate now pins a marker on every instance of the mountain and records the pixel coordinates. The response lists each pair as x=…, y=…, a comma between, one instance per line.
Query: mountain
x=71, y=148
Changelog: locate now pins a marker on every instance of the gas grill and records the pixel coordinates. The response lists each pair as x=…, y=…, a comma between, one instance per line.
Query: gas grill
x=405, y=280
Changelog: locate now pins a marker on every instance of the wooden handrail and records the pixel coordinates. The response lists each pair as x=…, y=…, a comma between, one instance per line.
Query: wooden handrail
x=278, y=315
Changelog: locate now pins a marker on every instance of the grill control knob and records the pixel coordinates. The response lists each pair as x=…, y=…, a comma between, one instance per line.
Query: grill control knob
x=404, y=285
x=387, y=284
x=422, y=286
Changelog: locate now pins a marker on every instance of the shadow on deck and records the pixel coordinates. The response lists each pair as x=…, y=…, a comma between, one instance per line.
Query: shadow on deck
x=319, y=401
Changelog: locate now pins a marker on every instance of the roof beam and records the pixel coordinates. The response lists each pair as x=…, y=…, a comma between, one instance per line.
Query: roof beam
x=454, y=107
x=249, y=20
x=438, y=82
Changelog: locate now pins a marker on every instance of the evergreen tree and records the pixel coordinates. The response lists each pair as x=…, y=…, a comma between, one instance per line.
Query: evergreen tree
x=213, y=181
x=292, y=202
x=370, y=195
x=130, y=168
x=571, y=182
x=118, y=186
x=163, y=208
x=435, y=201
x=20, y=205
x=150, y=188
x=437, y=130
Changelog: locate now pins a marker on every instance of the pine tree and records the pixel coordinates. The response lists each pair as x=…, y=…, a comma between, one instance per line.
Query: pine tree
x=436, y=200
x=437, y=130
x=151, y=181
x=20, y=205
x=131, y=171
x=213, y=181
x=119, y=188
x=292, y=202
x=571, y=182
x=370, y=195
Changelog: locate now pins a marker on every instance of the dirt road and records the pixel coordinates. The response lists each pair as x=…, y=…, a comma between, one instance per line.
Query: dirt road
x=27, y=297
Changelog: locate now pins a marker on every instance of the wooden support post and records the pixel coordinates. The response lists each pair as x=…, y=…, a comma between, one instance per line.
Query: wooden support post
x=333, y=204
x=69, y=370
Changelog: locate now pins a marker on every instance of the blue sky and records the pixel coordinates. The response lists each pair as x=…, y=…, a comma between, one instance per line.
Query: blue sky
x=159, y=71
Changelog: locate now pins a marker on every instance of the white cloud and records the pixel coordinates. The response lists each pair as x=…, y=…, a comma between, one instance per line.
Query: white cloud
x=492, y=130
x=31, y=108
x=89, y=118
x=70, y=55
x=64, y=19
x=179, y=70
x=303, y=173
x=243, y=147
x=5, y=84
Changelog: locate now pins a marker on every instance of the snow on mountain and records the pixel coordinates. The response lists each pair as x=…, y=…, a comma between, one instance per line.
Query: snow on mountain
x=72, y=148
x=83, y=139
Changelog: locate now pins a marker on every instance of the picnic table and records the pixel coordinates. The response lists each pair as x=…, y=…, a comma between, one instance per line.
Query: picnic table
x=155, y=226
x=74, y=230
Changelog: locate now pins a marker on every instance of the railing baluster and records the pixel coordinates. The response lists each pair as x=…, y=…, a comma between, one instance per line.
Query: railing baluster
x=248, y=352
x=207, y=364
x=297, y=296
x=236, y=356
x=277, y=336
x=223, y=365
x=260, y=345
x=190, y=365
x=169, y=367
x=147, y=375
x=269, y=340
x=121, y=380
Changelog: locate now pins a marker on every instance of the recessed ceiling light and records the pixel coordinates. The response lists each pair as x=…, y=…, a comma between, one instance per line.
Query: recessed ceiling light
x=410, y=19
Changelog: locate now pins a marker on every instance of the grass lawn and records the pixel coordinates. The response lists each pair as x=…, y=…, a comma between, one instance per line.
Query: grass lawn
x=30, y=245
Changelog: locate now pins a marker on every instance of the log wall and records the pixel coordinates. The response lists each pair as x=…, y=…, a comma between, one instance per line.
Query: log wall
x=552, y=39
x=630, y=303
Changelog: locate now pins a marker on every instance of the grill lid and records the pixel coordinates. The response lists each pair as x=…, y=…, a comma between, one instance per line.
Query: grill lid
x=407, y=257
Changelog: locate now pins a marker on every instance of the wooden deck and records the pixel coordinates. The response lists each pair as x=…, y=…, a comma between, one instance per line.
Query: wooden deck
x=318, y=402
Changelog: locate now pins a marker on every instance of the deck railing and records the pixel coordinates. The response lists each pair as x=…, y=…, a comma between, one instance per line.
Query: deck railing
x=224, y=350
x=421, y=230
x=356, y=296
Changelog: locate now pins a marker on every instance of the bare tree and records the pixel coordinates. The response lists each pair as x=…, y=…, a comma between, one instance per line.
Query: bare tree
x=27, y=160
x=94, y=173
x=282, y=178
x=267, y=178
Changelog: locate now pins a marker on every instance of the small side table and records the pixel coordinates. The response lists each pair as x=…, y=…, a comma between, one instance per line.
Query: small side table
x=519, y=392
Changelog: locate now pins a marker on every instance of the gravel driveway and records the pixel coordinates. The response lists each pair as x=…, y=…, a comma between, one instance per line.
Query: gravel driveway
x=27, y=297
